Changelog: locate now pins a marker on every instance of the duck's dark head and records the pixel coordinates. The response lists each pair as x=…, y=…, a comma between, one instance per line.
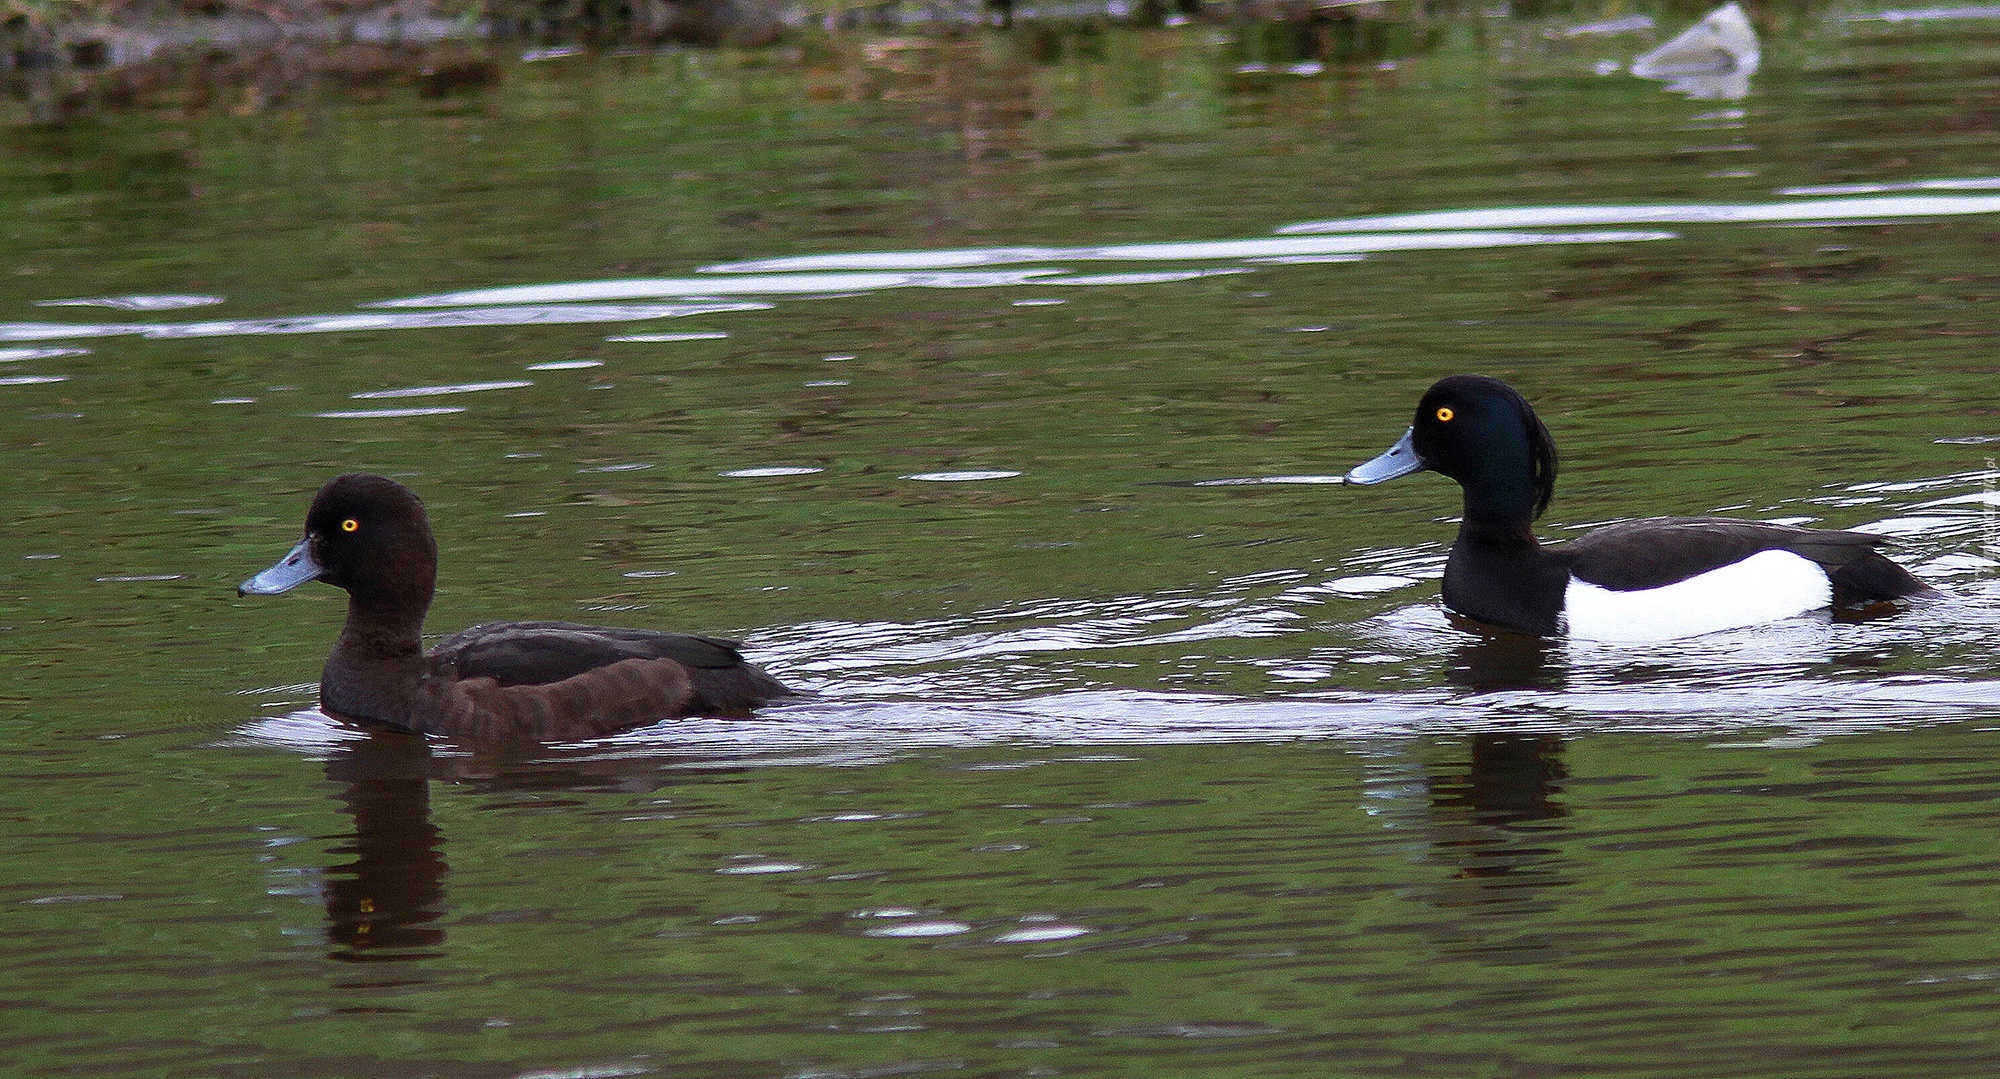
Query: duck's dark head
x=366, y=534
x=1482, y=433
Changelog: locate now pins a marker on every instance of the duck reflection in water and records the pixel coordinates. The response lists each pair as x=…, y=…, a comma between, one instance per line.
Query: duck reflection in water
x=1493, y=660
x=1491, y=835
x=384, y=903
x=1480, y=814
x=389, y=902
x=1511, y=778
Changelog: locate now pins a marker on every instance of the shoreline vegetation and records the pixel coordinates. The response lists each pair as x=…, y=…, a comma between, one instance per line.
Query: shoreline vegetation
x=64, y=59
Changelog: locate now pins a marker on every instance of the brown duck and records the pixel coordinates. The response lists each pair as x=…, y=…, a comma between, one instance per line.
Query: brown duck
x=499, y=680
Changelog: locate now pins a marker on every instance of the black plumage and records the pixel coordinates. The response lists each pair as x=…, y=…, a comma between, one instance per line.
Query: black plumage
x=1482, y=433
x=1657, y=551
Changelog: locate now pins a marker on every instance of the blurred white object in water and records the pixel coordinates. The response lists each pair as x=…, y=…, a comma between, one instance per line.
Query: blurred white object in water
x=1625, y=24
x=1713, y=59
x=133, y=303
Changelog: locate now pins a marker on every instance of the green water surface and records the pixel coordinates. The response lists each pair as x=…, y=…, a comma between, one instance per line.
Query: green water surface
x=1106, y=771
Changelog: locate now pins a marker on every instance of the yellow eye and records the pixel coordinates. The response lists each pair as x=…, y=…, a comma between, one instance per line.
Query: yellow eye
x=1444, y=415
x=350, y=525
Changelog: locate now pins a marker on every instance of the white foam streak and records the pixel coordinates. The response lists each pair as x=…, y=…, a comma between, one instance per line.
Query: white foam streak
x=389, y=413
x=1158, y=277
x=1831, y=211
x=521, y=315
x=1177, y=251
x=648, y=287
x=1977, y=183
x=1928, y=14
x=134, y=303
x=439, y=391
x=824, y=731
x=13, y=355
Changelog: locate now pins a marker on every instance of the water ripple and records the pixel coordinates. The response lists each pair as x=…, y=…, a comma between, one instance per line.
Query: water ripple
x=388, y=413
x=135, y=303
x=642, y=288
x=1176, y=251
x=654, y=338
x=961, y=477
x=439, y=391
x=1830, y=211
x=1927, y=14
x=522, y=315
x=1978, y=183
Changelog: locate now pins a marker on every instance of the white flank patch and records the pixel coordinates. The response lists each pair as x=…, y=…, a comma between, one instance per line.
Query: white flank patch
x=1765, y=587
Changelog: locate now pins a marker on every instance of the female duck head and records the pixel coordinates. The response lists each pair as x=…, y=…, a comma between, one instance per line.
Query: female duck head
x=1482, y=433
x=366, y=534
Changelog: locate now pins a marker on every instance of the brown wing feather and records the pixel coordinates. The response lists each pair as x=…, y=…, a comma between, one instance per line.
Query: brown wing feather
x=625, y=694
x=537, y=653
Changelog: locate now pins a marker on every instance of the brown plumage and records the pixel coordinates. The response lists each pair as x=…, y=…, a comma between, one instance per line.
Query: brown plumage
x=500, y=680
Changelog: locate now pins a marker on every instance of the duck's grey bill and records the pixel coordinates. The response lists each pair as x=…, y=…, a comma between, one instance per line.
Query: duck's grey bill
x=291, y=571
x=1398, y=460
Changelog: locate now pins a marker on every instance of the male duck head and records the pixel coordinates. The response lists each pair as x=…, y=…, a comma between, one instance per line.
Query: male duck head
x=1482, y=433
x=365, y=534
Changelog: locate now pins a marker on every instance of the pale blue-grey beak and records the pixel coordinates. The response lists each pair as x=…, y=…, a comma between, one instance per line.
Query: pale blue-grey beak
x=293, y=570
x=1398, y=460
